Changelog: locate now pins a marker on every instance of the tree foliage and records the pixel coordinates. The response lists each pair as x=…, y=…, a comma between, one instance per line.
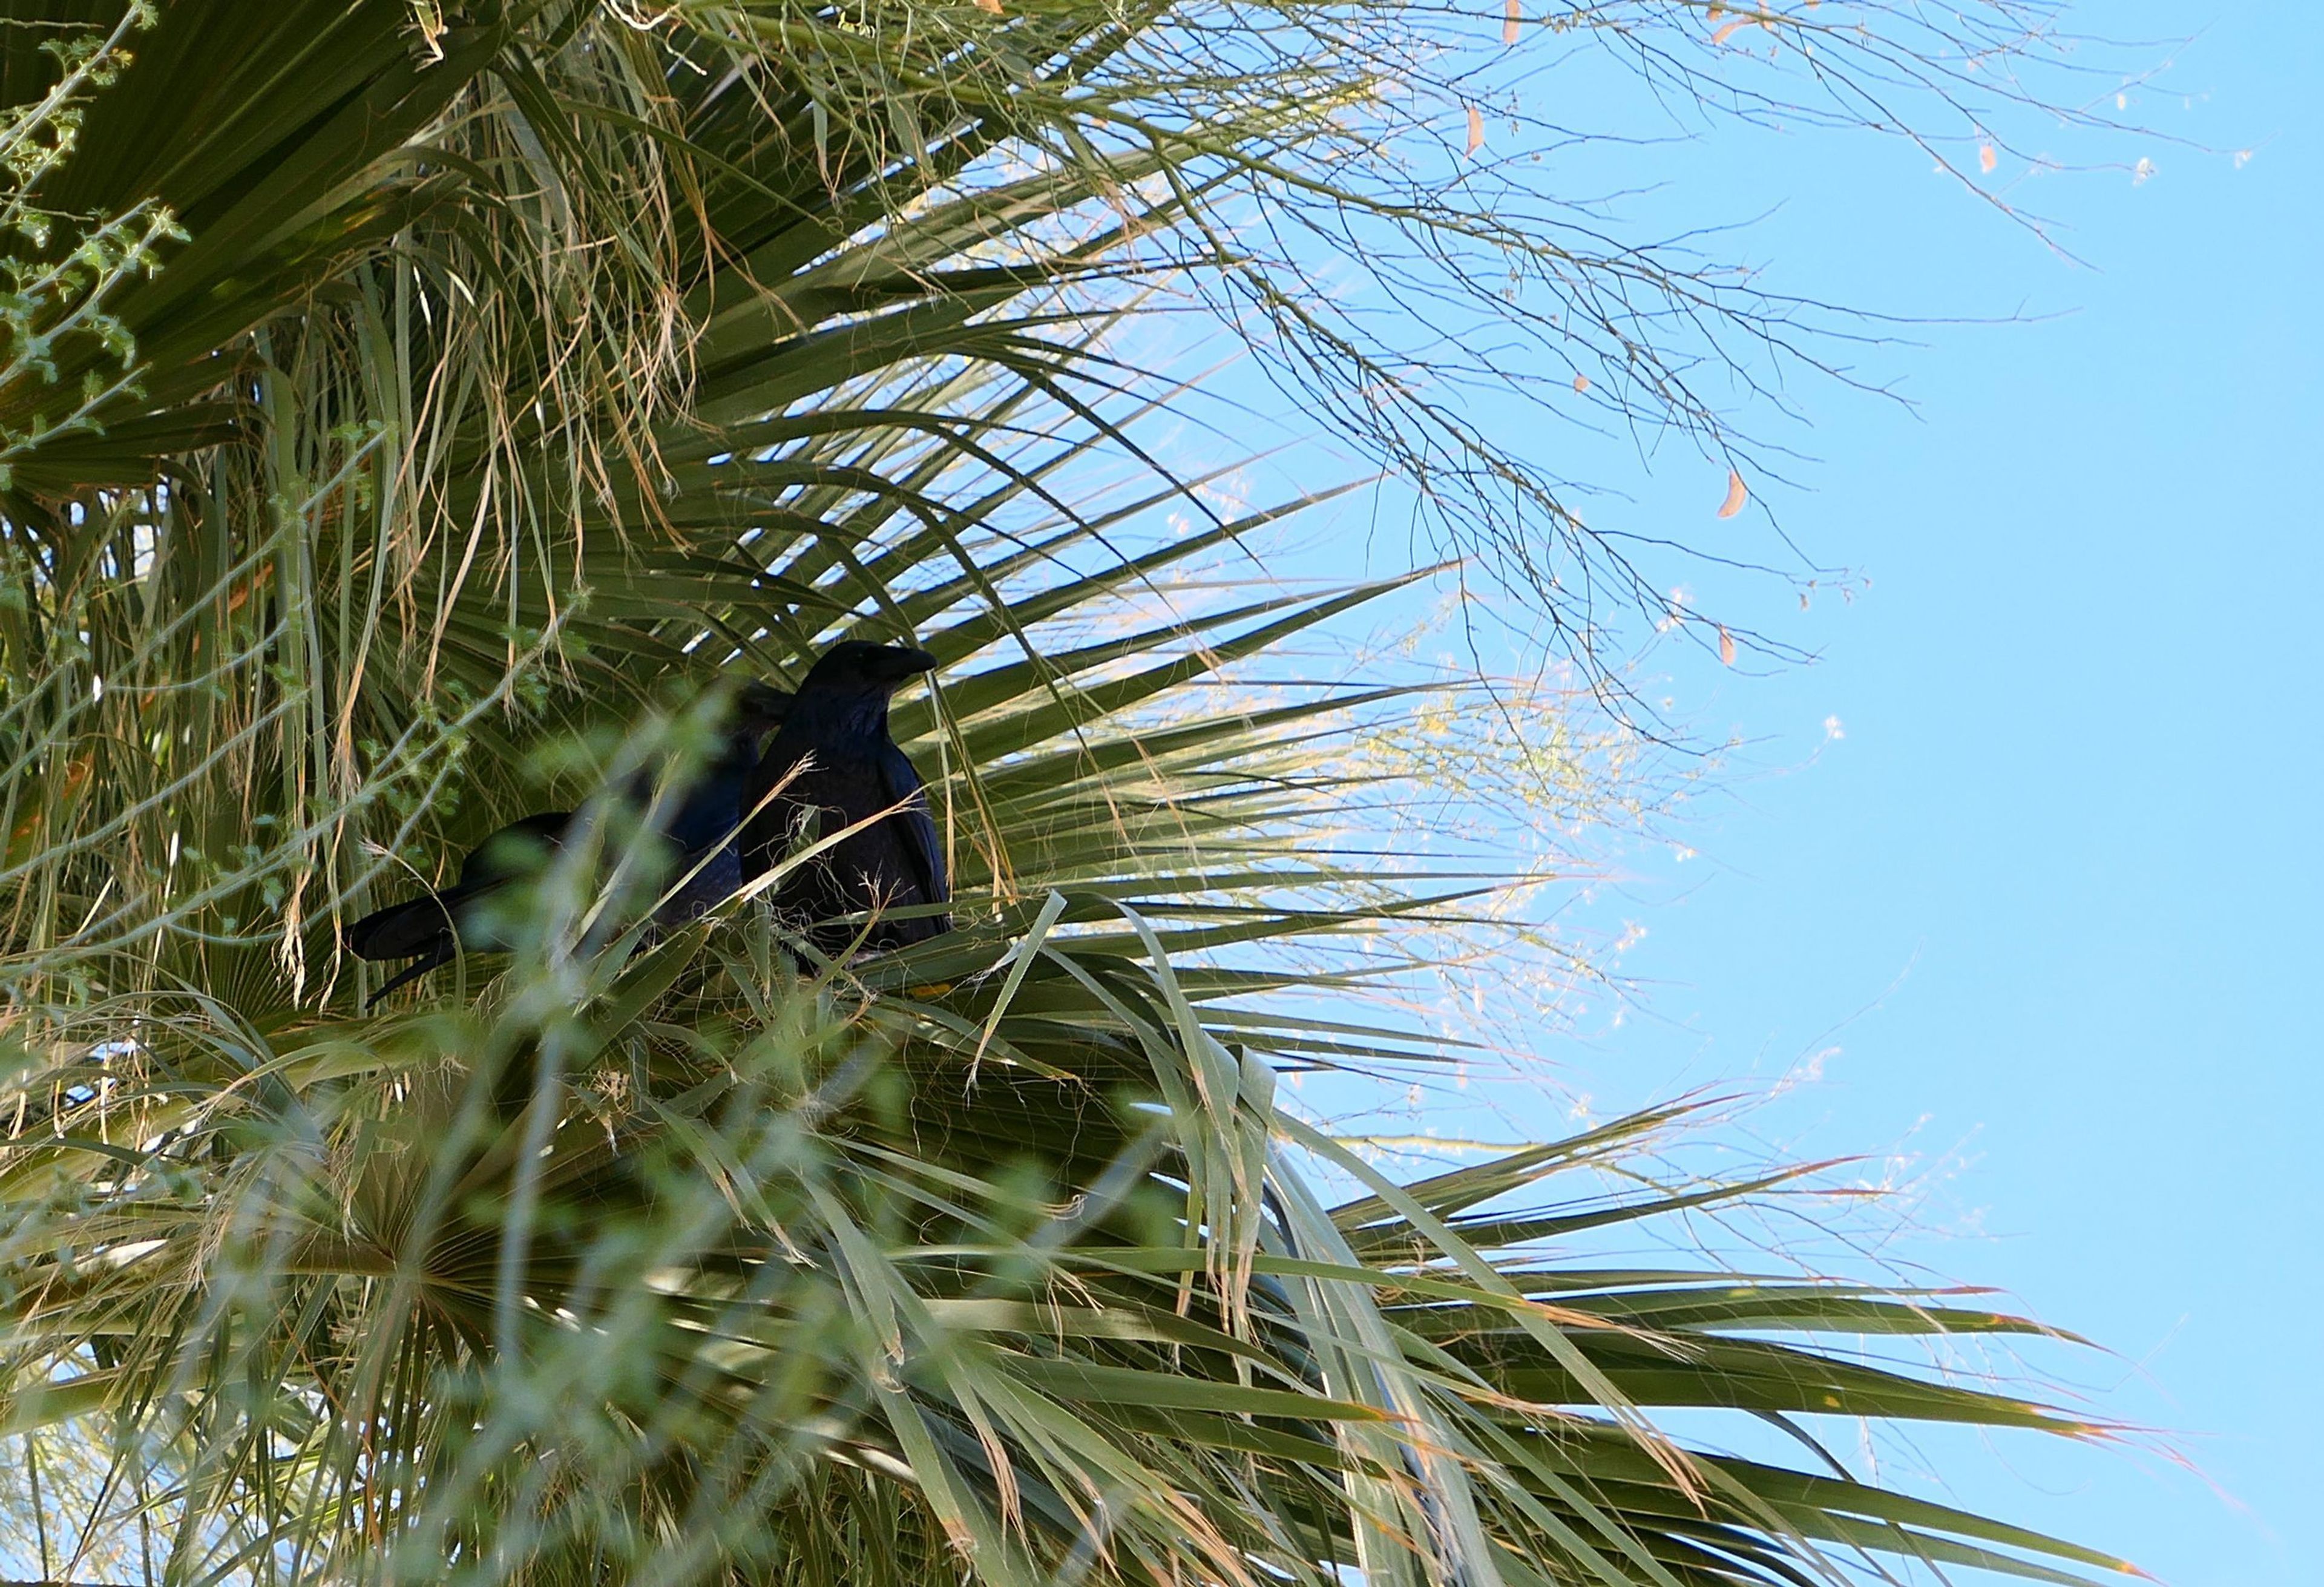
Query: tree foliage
x=409, y=411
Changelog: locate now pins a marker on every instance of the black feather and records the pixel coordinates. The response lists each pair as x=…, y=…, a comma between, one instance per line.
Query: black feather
x=699, y=823
x=833, y=770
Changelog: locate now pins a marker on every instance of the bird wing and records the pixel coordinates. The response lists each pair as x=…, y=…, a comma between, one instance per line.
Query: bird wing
x=766, y=821
x=516, y=848
x=400, y=930
x=901, y=780
x=428, y=923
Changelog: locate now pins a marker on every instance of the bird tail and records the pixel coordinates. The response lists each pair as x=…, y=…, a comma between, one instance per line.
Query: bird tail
x=440, y=954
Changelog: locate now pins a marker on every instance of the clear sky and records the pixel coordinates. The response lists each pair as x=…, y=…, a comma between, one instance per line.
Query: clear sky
x=2050, y=907
x=2066, y=858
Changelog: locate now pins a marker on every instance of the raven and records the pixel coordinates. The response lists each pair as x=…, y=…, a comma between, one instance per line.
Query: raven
x=698, y=825
x=833, y=764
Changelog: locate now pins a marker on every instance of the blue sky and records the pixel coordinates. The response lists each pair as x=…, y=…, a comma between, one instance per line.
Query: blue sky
x=2058, y=884
x=2049, y=907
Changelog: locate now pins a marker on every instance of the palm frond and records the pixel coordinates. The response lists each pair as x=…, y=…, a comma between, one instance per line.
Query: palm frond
x=519, y=372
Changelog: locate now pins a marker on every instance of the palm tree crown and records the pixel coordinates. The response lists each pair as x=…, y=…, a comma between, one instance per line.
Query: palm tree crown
x=412, y=414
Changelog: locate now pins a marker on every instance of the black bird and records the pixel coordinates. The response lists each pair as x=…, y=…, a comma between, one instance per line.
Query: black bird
x=834, y=763
x=698, y=823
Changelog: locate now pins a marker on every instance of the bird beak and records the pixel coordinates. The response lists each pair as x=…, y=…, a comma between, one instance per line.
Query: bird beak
x=899, y=664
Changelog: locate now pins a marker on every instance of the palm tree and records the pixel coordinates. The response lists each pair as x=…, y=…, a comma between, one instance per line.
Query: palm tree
x=409, y=411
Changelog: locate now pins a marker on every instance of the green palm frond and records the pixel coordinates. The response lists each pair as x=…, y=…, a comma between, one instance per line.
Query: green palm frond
x=762, y=1259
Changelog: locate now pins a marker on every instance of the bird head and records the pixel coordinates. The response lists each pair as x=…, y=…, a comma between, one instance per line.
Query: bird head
x=858, y=667
x=760, y=707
